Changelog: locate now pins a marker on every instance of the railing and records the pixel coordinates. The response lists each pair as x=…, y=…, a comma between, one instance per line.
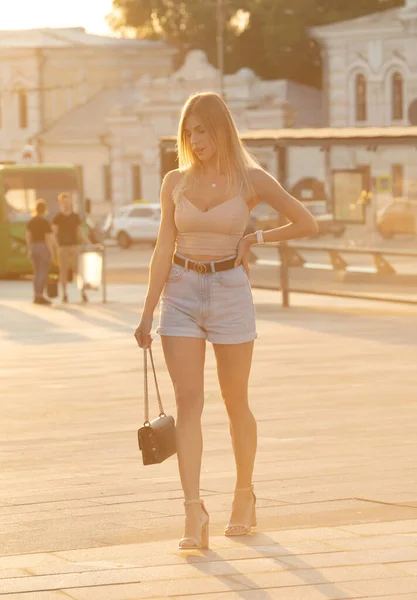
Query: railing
x=291, y=255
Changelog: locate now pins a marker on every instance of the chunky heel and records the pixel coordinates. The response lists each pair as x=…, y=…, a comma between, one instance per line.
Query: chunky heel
x=233, y=529
x=200, y=542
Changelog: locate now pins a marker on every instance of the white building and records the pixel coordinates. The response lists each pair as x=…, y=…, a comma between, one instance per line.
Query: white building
x=370, y=68
x=45, y=74
x=370, y=80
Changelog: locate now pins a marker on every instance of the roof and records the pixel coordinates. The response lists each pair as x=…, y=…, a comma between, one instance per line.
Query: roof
x=18, y=167
x=386, y=19
x=88, y=120
x=69, y=38
x=323, y=135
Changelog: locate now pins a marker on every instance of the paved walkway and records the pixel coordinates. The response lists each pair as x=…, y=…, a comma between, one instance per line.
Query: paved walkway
x=333, y=387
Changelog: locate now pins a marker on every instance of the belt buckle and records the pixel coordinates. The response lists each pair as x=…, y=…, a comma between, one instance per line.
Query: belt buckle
x=201, y=268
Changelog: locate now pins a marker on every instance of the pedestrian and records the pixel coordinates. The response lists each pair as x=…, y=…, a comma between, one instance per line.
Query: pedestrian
x=67, y=228
x=199, y=266
x=40, y=245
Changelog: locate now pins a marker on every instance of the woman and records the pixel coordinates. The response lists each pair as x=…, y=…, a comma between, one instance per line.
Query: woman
x=67, y=228
x=199, y=264
x=40, y=245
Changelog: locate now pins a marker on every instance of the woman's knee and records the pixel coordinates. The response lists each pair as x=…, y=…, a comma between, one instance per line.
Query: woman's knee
x=189, y=402
x=236, y=403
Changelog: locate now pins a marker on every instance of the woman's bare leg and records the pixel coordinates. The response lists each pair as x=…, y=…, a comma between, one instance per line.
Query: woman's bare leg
x=185, y=359
x=233, y=369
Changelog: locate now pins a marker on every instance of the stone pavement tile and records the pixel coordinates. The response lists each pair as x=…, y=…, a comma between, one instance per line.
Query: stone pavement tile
x=361, y=557
x=373, y=542
x=21, y=509
x=145, y=590
x=399, y=585
x=142, y=574
x=306, y=534
x=26, y=561
x=6, y=573
x=398, y=596
x=409, y=568
x=303, y=592
x=403, y=526
x=302, y=576
x=139, y=555
x=44, y=595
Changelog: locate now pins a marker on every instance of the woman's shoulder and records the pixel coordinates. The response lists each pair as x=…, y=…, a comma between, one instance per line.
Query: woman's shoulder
x=257, y=175
x=172, y=178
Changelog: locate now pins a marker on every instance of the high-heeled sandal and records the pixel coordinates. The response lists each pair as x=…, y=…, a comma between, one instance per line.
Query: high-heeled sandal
x=233, y=529
x=201, y=542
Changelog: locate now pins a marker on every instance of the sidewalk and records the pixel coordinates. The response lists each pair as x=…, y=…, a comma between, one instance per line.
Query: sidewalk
x=333, y=387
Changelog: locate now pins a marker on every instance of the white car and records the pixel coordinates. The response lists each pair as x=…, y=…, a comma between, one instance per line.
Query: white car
x=136, y=223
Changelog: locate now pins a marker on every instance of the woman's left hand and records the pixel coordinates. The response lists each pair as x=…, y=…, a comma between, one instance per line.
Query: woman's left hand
x=243, y=254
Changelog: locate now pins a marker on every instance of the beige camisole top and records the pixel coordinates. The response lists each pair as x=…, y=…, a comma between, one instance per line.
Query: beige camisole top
x=216, y=231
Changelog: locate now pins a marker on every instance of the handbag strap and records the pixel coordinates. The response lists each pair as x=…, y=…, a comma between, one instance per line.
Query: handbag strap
x=145, y=380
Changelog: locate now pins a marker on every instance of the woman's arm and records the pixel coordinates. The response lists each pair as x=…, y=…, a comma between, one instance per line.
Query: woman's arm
x=302, y=223
x=28, y=240
x=50, y=242
x=162, y=256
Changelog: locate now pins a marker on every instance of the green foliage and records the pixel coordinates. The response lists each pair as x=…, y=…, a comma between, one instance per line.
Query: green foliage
x=275, y=43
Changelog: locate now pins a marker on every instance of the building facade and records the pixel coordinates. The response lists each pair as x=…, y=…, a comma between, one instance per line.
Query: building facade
x=370, y=69
x=45, y=74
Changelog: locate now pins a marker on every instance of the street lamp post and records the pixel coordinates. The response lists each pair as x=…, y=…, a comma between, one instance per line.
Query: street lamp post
x=220, y=46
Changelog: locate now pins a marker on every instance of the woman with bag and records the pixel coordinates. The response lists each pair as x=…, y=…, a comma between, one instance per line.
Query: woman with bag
x=200, y=267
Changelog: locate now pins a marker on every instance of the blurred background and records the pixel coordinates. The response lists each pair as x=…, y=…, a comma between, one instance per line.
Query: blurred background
x=324, y=93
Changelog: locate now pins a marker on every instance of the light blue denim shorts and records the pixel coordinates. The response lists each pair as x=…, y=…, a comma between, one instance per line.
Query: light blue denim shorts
x=217, y=307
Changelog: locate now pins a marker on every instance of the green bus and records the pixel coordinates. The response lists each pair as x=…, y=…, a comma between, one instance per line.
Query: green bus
x=20, y=186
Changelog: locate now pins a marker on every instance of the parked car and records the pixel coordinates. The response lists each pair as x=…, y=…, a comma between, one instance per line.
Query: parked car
x=136, y=223
x=397, y=218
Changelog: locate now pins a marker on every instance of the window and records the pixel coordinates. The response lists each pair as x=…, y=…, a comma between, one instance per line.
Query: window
x=23, y=109
x=136, y=183
x=397, y=99
x=360, y=97
x=107, y=186
x=397, y=181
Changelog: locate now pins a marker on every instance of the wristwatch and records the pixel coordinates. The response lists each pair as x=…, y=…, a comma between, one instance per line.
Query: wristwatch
x=260, y=236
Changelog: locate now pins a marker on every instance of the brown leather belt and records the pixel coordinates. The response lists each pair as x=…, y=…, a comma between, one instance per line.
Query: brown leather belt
x=202, y=268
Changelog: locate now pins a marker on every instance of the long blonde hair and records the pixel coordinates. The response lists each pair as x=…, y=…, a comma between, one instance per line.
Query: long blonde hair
x=232, y=157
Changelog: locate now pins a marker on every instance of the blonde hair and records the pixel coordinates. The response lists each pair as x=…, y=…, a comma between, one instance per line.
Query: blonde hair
x=63, y=196
x=232, y=157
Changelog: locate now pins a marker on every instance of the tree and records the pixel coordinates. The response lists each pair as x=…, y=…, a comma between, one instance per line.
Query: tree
x=274, y=42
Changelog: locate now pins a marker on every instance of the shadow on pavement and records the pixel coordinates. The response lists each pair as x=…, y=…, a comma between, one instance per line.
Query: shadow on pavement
x=390, y=327
x=273, y=551
x=27, y=328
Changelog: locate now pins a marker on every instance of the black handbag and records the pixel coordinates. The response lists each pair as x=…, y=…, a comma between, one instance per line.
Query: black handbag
x=157, y=437
x=52, y=286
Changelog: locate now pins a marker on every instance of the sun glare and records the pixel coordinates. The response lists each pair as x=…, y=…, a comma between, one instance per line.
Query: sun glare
x=26, y=14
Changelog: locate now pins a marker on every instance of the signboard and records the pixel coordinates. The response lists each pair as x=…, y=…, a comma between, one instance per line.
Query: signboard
x=349, y=196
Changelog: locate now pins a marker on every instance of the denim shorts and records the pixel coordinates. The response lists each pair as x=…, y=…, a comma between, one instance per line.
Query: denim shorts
x=217, y=307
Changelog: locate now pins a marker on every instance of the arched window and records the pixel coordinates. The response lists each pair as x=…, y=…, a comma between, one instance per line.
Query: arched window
x=397, y=97
x=23, y=109
x=360, y=97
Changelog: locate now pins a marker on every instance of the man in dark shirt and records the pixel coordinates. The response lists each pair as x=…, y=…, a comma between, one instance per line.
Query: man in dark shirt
x=40, y=245
x=67, y=228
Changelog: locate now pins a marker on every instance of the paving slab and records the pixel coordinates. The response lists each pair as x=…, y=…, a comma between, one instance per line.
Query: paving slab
x=333, y=388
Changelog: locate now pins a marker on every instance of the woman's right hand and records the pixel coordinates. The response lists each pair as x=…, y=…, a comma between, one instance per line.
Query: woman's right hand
x=143, y=332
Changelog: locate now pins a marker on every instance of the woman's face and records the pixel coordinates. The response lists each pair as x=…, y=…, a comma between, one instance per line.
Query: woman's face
x=199, y=140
